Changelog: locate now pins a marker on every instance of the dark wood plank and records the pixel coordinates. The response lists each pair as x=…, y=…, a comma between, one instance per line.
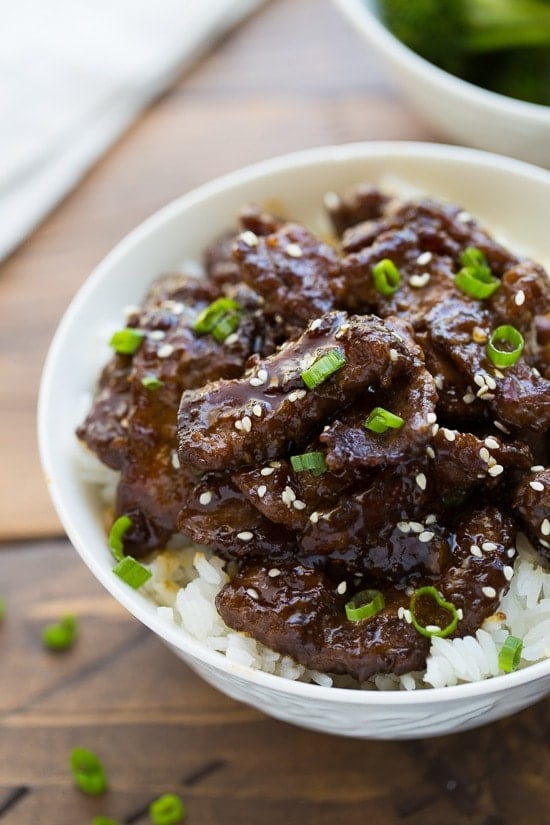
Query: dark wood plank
x=295, y=75
x=159, y=728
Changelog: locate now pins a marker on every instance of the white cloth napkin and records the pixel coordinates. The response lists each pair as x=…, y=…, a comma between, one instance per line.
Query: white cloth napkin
x=73, y=75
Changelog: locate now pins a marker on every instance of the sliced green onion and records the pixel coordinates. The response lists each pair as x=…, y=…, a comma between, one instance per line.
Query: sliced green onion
x=61, y=635
x=212, y=315
x=509, y=656
x=323, y=368
x=132, y=572
x=430, y=630
x=386, y=276
x=365, y=604
x=126, y=341
x=103, y=820
x=379, y=420
x=88, y=772
x=116, y=536
x=168, y=809
x=2, y=607
x=475, y=277
x=314, y=462
x=225, y=326
x=473, y=257
x=151, y=382
x=510, y=336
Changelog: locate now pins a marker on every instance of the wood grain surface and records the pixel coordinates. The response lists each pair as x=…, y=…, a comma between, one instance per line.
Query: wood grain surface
x=295, y=75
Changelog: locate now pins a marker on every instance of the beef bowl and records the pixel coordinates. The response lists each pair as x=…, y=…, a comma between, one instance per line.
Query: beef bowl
x=297, y=423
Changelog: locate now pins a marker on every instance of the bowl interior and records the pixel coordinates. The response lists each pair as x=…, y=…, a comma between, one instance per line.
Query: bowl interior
x=510, y=197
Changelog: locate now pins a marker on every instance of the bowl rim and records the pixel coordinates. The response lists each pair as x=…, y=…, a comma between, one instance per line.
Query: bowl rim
x=139, y=605
x=380, y=37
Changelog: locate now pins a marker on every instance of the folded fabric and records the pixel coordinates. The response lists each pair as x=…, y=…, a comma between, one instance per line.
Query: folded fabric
x=73, y=76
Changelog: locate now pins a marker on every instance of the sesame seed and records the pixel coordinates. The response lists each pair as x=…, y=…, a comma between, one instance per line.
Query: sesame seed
x=421, y=481
x=490, y=381
x=460, y=613
x=537, y=468
x=498, y=373
x=261, y=491
x=484, y=454
x=165, y=351
x=273, y=572
x=231, y=339
x=476, y=551
x=418, y=281
x=252, y=593
x=519, y=298
x=536, y=485
x=401, y=612
x=495, y=470
x=157, y=334
x=238, y=424
x=544, y=543
x=430, y=452
x=508, y=572
x=492, y=443
x=439, y=382
x=404, y=526
x=342, y=587
x=464, y=216
x=407, y=616
x=431, y=418
x=246, y=535
x=449, y=434
x=394, y=355
x=297, y=395
x=299, y=505
x=267, y=471
x=479, y=335
x=288, y=496
x=424, y=258
x=468, y=398
x=416, y=527
x=425, y=536
x=431, y=519
x=511, y=552
x=315, y=325
x=535, y=372
x=433, y=628
x=435, y=429
x=257, y=410
x=486, y=396
x=500, y=426
x=314, y=517
x=174, y=460
x=484, y=390
x=294, y=250
x=255, y=382
x=249, y=238
x=479, y=379
x=490, y=592
x=489, y=546
x=205, y=498
x=331, y=200
x=545, y=527
x=262, y=374
x=247, y=423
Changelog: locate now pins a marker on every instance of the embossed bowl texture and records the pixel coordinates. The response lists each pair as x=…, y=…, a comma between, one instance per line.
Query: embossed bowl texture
x=510, y=197
x=460, y=111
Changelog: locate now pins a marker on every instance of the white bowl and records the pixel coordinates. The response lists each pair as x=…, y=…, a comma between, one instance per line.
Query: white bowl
x=460, y=111
x=512, y=197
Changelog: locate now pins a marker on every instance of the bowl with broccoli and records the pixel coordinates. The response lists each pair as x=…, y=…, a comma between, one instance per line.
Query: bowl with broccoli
x=477, y=70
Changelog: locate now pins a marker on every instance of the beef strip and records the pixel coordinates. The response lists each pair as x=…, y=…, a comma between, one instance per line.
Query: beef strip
x=291, y=269
x=531, y=503
x=299, y=611
x=227, y=424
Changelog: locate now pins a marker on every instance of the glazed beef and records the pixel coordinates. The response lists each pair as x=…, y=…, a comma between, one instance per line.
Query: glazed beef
x=220, y=435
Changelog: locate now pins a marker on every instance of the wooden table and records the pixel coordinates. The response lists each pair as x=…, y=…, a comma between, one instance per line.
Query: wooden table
x=295, y=75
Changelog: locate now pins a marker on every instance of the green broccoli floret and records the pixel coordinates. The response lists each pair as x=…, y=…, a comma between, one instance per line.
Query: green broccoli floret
x=500, y=44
